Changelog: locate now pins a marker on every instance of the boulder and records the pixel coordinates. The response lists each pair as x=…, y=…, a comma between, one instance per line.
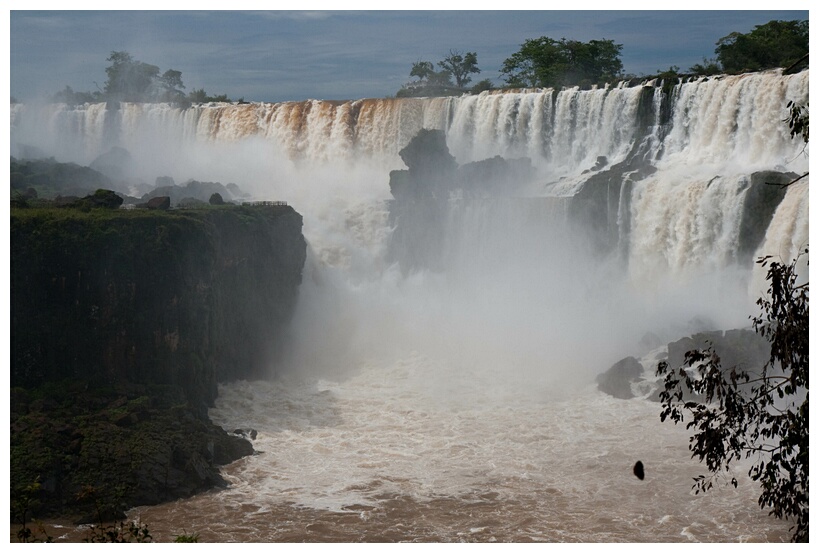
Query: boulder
x=741, y=348
x=247, y=433
x=431, y=168
x=201, y=191
x=159, y=202
x=618, y=379
x=427, y=152
x=107, y=199
x=494, y=176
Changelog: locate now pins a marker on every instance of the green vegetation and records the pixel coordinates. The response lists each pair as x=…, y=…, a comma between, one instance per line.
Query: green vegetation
x=131, y=80
x=545, y=62
x=199, y=96
x=460, y=66
x=799, y=121
x=122, y=532
x=540, y=62
x=24, y=501
x=763, y=416
x=774, y=44
x=707, y=67
x=439, y=83
x=49, y=178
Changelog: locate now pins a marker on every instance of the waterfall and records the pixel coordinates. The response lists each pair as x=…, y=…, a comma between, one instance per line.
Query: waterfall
x=461, y=389
x=686, y=213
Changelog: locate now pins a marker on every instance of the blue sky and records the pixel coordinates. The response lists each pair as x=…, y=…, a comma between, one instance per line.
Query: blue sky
x=295, y=55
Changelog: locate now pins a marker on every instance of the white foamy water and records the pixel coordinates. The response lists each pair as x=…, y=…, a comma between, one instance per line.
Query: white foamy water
x=460, y=405
x=418, y=450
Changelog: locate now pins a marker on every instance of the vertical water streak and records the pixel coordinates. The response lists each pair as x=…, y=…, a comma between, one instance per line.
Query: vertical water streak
x=735, y=120
x=787, y=236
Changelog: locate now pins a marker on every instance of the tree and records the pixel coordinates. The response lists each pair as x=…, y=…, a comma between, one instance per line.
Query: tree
x=737, y=414
x=440, y=79
x=68, y=96
x=128, y=79
x=171, y=82
x=422, y=70
x=198, y=96
x=774, y=44
x=131, y=80
x=481, y=86
x=546, y=62
x=460, y=66
x=707, y=67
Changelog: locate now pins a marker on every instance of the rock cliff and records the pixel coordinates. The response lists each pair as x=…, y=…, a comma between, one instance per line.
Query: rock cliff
x=123, y=323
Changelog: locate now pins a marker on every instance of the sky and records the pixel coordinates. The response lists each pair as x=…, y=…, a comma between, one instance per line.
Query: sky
x=276, y=56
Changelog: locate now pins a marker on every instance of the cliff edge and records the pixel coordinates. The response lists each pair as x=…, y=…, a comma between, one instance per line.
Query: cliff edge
x=123, y=322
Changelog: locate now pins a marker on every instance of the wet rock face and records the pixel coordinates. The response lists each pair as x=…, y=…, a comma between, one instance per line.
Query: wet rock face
x=183, y=298
x=99, y=450
x=425, y=190
x=742, y=348
x=158, y=202
x=123, y=324
x=618, y=379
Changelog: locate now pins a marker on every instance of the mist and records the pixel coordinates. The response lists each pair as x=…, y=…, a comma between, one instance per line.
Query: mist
x=438, y=376
x=524, y=298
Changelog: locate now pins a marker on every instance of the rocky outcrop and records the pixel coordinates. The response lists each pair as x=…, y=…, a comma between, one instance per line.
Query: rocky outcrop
x=179, y=297
x=123, y=322
x=424, y=191
x=618, y=379
x=736, y=348
x=765, y=192
x=741, y=348
x=97, y=450
x=199, y=190
x=602, y=205
x=115, y=163
x=51, y=178
x=157, y=202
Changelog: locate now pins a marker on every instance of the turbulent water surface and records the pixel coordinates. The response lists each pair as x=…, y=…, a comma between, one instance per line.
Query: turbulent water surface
x=459, y=404
x=416, y=451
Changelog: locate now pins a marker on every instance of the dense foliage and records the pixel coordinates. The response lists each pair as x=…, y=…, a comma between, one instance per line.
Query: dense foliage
x=547, y=62
x=460, y=66
x=799, y=121
x=736, y=414
x=439, y=83
x=131, y=80
x=774, y=44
